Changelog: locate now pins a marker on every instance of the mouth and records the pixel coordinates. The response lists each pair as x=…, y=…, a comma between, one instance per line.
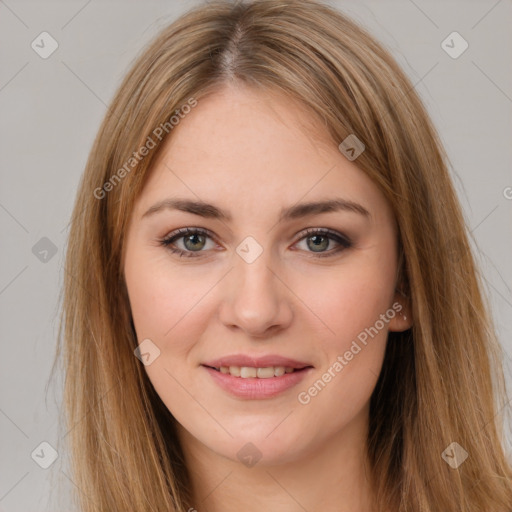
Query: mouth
x=256, y=378
x=251, y=372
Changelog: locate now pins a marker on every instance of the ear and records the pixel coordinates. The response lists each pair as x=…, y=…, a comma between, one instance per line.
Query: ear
x=403, y=317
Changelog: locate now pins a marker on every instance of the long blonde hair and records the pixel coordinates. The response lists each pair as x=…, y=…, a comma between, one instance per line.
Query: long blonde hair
x=441, y=382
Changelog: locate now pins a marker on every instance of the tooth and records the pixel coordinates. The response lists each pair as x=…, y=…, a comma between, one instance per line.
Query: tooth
x=278, y=371
x=247, y=371
x=265, y=373
x=235, y=371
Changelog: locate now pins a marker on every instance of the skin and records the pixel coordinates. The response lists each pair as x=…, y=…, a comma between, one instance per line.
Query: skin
x=252, y=153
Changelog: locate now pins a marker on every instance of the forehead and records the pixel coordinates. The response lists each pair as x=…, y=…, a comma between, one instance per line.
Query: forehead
x=254, y=148
x=240, y=122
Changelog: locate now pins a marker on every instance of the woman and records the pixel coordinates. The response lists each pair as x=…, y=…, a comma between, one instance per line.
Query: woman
x=270, y=299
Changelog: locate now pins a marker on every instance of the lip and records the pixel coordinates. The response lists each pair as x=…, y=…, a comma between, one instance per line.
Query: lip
x=256, y=361
x=254, y=388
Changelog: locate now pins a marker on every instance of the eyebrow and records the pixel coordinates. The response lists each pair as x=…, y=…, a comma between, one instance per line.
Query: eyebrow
x=293, y=212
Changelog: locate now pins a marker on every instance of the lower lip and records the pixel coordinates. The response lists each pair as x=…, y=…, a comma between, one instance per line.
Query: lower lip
x=257, y=389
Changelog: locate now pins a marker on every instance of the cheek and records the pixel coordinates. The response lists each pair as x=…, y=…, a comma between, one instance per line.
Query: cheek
x=169, y=308
x=350, y=301
x=356, y=308
x=162, y=299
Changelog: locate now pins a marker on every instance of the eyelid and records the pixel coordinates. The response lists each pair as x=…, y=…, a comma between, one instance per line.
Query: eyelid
x=189, y=230
x=324, y=231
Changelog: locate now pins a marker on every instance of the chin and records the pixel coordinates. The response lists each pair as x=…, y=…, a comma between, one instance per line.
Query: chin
x=261, y=449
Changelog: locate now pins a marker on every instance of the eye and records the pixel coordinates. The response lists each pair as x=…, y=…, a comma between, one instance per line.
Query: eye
x=319, y=239
x=194, y=240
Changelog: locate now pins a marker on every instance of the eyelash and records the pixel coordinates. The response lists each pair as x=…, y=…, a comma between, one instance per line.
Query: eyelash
x=343, y=240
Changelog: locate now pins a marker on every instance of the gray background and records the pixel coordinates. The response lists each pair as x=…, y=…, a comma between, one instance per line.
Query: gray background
x=52, y=108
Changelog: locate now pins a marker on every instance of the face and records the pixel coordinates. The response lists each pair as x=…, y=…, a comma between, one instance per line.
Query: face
x=234, y=295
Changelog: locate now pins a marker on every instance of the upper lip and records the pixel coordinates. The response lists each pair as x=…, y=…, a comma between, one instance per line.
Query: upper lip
x=256, y=361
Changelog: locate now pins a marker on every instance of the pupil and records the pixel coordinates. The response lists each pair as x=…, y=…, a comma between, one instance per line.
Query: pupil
x=190, y=237
x=317, y=238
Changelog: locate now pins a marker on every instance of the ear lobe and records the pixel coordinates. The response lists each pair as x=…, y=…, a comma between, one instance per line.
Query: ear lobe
x=403, y=318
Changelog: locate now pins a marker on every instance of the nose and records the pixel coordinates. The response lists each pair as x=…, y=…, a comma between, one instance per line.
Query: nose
x=256, y=300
